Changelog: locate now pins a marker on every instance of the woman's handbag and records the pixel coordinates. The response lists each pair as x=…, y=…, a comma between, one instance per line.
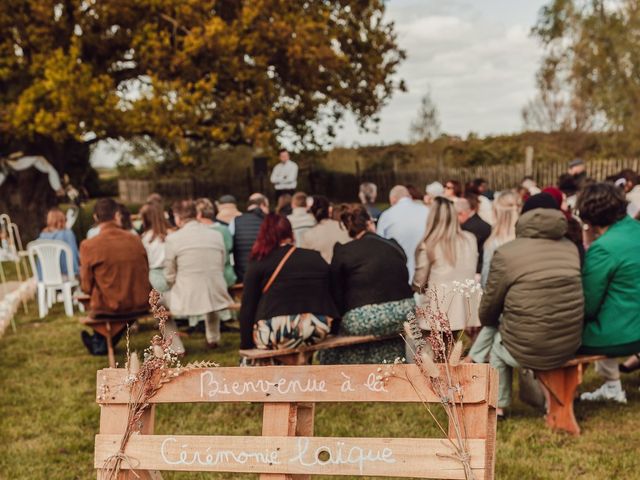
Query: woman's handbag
x=276, y=272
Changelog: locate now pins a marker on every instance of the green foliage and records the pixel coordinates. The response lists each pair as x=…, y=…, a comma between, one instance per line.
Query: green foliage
x=458, y=152
x=592, y=56
x=190, y=71
x=50, y=418
x=426, y=125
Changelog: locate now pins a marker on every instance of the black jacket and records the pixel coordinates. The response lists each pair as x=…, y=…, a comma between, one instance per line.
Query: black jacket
x=481, y=230
x=368, y=271
x=302, y=286
x=246, y=228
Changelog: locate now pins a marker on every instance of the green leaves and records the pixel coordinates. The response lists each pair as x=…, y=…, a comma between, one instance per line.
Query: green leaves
x=592, y=55
x=190, y=71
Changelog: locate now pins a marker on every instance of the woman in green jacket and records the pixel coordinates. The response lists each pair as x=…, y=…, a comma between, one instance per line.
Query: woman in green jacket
x=611, y=285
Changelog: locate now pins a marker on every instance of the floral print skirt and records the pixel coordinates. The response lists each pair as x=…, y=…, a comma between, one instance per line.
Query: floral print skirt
x=291, y=331
x=376, y=319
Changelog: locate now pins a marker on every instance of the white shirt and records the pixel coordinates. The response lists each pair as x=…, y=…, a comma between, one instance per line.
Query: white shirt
x=285, y=175
x=485, y=210
x=406, y=223
x=155, y=250
x=93, y=231
x=301, y=221
x=633, y=197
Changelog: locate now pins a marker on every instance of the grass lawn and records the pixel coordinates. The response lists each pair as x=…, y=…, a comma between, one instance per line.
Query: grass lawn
x=49, y=416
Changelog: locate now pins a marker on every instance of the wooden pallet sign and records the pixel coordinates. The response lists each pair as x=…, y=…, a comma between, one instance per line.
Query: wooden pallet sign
x=287, y=449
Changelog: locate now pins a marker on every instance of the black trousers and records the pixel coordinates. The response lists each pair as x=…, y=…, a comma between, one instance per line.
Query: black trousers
x=279, y=193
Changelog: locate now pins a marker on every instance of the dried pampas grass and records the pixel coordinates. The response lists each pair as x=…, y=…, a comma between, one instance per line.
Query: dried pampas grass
x=456, y=354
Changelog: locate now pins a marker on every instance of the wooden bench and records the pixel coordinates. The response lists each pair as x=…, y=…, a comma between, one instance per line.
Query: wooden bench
x=109, y=327
x=303, y=355
x=287, y=449
x=561, y=385
x=236, y=292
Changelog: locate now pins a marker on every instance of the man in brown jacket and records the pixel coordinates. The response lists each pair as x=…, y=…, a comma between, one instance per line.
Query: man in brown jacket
x=114, y=271
x=535, y=285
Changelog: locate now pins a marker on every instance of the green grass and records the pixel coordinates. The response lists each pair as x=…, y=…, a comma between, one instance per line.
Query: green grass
x=11, y=272
x=48, y=415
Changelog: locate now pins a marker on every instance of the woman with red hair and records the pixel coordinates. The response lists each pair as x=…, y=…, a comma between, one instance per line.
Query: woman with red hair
x=286, y=299
x=574, y=227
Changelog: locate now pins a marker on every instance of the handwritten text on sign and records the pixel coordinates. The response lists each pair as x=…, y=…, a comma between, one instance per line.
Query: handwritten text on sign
x=337, y=454
x=212, y=386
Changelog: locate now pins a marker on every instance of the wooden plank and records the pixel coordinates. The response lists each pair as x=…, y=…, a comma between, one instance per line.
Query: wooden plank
x=279, y=419
x=304, y=427
x=315, y=383
x=113, y=420
x=492, y=425
x=331, y=342
x=386, y=457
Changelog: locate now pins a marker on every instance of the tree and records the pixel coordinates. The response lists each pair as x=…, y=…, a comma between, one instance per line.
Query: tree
x=592, y=58
x=556, y=110
x=183, y=72
x=426, y=126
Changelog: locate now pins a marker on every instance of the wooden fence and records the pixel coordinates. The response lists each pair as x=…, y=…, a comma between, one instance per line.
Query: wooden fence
x=344, y=186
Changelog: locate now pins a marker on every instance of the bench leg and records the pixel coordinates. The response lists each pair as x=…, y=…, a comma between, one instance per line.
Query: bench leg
x=561, y=385
x=108, y=331
x=299, y=358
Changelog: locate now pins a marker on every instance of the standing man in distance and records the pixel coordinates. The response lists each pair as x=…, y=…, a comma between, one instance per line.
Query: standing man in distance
x=578, y=170
x=284, y=175
x=367, y=195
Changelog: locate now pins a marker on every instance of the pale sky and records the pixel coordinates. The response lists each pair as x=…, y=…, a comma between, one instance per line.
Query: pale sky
x=476, y=56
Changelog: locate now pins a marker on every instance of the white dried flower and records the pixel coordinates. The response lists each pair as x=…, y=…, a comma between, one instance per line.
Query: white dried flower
x=456, y=354
x=429, y=366
x=157, y=351
x=134, y=364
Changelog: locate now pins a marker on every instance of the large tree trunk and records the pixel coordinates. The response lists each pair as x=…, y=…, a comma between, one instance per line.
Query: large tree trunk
x=26, y=195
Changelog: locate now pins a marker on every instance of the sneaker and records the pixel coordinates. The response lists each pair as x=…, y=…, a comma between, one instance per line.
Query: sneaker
x=607, y=392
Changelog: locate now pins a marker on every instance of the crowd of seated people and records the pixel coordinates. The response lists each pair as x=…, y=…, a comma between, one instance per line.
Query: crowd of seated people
x=558, y=268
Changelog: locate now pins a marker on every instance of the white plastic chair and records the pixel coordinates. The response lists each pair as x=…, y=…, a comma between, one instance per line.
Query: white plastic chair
x=49, y=253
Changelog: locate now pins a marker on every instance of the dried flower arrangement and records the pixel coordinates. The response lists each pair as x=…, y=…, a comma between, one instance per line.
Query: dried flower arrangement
x=436, y=353
x=160, y=365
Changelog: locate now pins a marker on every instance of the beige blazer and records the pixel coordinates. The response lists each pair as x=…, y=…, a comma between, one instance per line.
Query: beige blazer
x=462, y=311
x=194, y=269
x=324, y=236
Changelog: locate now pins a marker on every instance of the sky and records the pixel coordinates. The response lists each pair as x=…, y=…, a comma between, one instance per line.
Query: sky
x=476, y=57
